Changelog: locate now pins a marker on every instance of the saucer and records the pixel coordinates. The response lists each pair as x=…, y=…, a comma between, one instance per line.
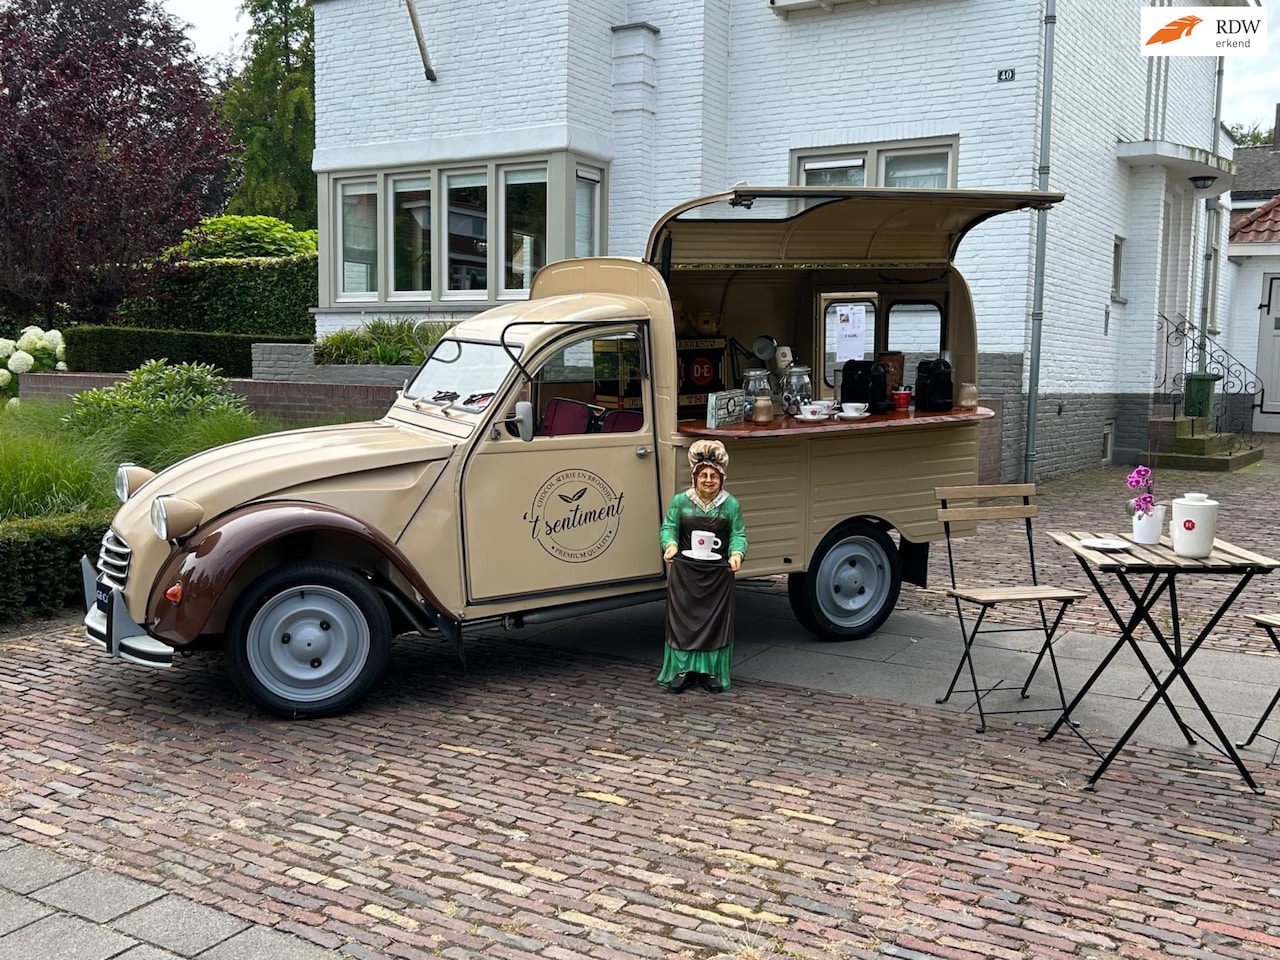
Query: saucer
x=697, y=556
x=1104, y=543
x=852, y=416
x=818, y=419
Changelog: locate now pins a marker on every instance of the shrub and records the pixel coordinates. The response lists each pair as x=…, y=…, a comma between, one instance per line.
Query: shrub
x=110, y=349
x=40, y=561
x=233, y=237
x=381, y=341
x=34, y=349
x=155, y=392
x=259, y=296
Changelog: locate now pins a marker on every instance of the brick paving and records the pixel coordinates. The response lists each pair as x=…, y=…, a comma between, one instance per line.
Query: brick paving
x=1094, y=500
x=553, y=804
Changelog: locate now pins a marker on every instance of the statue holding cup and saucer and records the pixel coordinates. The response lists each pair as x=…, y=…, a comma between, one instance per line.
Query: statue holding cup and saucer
x=703, y=542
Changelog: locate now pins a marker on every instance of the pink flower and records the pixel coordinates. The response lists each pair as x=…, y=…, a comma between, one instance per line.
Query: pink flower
x=1141, y=479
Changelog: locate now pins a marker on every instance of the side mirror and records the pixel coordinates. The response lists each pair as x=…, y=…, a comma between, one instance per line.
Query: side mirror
x=524, y=419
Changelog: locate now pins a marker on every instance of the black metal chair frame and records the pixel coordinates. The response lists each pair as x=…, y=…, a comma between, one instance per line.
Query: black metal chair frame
x=1268, y=622
x=988, y=598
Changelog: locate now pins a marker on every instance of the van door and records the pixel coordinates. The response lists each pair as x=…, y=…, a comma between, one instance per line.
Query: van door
x=578, y=506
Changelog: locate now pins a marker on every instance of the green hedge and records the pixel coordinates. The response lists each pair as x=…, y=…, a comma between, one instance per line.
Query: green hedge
x=262, y=295
x=93, y=349
x=40, y=562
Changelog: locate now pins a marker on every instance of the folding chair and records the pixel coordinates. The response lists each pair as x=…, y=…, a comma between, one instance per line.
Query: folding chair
x=1016, y=505
x=1268, y=622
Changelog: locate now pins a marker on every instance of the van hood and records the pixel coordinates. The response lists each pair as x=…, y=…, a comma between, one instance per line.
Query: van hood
x=260, y=467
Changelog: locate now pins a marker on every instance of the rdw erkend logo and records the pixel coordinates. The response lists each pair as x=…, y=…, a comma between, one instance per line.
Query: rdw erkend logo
x=1174, y=30
x=1202, y=31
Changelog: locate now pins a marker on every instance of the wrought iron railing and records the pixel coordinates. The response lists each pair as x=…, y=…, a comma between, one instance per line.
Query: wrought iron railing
x=1204, y=381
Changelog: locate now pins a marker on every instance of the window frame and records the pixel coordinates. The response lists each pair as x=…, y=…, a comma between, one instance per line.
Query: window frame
x=394, y=294
x=874, y=155
x=502, y=182
x=563, y=172
x=341, y=294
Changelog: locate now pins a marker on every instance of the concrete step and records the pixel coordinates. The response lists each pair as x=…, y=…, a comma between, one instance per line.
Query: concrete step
x=1218, y=462
x=1204, y=444
x=1165, y=430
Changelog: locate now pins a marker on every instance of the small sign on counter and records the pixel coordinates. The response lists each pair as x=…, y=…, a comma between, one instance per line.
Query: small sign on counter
x=725, y=407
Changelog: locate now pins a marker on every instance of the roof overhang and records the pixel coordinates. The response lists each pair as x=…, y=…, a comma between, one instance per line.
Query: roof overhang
x=827, y=226
x=1180, y=161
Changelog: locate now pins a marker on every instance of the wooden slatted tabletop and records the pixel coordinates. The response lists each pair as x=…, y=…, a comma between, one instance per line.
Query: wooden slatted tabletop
x=1143, y=557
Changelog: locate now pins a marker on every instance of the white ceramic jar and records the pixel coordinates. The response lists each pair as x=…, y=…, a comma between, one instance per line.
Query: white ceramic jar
x=1194, y=525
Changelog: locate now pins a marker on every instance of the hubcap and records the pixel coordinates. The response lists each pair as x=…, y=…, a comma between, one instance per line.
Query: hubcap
x=308, y=643
x=853, y=581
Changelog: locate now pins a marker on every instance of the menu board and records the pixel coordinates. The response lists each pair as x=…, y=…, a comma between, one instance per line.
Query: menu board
x=851, y=331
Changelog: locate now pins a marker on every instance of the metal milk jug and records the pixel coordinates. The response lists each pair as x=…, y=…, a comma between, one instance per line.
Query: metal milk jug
x=1194, y=525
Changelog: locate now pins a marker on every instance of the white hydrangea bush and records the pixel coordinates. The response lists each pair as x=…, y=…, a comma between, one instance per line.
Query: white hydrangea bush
x=35, y=349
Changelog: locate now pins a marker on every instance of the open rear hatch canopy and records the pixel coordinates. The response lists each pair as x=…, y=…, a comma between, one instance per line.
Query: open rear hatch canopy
x=826, y=226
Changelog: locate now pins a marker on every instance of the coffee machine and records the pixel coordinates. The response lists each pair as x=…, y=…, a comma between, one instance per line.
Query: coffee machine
x=866, y=381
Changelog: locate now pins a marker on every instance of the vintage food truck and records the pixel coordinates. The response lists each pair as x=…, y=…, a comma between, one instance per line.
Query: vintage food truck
x=521, y=474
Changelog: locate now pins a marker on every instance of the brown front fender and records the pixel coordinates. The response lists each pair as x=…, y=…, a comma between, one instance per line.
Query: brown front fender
x=209, y=563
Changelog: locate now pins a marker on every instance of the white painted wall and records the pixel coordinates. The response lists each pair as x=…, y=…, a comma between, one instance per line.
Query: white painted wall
x=720, y=91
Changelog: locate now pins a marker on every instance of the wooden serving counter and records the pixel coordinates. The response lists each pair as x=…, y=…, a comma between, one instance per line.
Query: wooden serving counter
x=791, y=427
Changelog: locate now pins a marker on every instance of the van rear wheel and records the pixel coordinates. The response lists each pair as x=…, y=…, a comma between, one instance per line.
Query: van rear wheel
x=308, y=640
x=852, y=583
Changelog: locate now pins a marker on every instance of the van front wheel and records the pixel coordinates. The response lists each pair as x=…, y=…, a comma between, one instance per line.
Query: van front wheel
x=308, y=640
x=852, y=583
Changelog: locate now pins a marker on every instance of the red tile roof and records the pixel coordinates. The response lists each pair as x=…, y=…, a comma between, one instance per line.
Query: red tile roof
x=1260, y=226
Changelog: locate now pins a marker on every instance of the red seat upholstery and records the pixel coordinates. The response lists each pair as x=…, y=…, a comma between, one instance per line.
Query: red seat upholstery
x=565, y=417
x=622, y=421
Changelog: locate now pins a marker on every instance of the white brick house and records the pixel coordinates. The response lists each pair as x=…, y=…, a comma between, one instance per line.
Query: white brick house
x=566, y=127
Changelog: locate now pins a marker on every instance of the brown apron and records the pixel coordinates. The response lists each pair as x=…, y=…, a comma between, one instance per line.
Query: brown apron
x=700, y=592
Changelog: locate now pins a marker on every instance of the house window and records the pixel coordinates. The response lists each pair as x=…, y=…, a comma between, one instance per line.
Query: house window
x=1117, y=263
x=524, y=227
x=915, y=170
x=475, y=232
x=835, y=172
x=468, y=218
x=359, y=237
x=910, y=164
x=586, y=213
x=411, y=234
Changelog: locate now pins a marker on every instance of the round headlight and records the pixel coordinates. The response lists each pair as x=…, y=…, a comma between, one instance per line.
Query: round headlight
x=129, y=477
x=173, y=518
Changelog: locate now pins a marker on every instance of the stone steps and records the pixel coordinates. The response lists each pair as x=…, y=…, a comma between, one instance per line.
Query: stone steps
x=1189, y=443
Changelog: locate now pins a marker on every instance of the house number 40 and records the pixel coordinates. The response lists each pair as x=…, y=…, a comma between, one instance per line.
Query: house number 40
x=1003, y=75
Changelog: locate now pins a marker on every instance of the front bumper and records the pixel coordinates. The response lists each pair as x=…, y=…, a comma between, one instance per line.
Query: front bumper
x=107, y=622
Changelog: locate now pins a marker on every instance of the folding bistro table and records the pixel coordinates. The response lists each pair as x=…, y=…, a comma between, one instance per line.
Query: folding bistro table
x=1146, y=573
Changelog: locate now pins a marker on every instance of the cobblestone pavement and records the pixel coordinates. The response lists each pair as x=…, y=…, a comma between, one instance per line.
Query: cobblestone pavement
x=553, y=804
x=1249, y=516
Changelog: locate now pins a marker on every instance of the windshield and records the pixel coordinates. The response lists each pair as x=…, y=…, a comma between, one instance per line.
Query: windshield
x=462, y=374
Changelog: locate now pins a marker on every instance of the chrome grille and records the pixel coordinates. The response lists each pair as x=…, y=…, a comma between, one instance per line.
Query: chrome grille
x=113, y=560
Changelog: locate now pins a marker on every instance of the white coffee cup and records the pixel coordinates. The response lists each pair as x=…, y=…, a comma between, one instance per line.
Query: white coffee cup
x=812, y=410
x=853, y=409
x=703, y=543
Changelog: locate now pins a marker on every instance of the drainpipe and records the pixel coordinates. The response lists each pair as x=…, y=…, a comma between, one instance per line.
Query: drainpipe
x=1209, y=277
x=1042, y=229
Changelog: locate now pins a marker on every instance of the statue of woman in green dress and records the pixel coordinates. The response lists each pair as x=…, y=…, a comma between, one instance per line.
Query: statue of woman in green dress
x=699, y=623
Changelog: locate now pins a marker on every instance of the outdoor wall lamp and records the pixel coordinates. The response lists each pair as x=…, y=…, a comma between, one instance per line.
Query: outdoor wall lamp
x=1202, y=183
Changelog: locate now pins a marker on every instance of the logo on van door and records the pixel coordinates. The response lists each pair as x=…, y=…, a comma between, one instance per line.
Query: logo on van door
x=575, y=516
